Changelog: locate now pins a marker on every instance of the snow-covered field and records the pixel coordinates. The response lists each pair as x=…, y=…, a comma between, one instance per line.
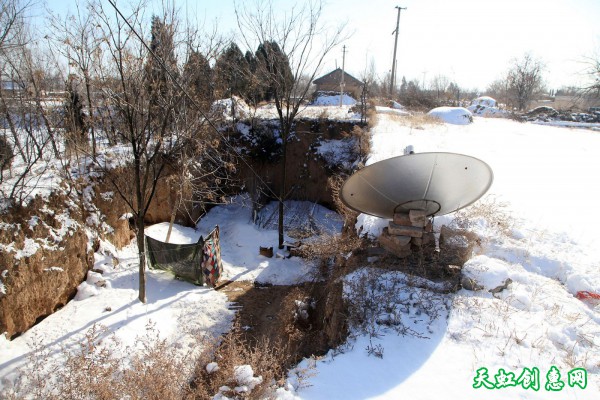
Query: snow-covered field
x=545, y=175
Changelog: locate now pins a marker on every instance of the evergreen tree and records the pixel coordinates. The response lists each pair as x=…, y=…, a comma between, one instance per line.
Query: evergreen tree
x=403, y=86
x=273, y=69
x=232, y=73
x=74, y=118
x=198, y=78
x=157, y=80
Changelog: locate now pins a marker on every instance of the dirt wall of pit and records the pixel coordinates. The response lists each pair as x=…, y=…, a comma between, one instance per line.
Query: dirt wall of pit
x=49, y=257
x=307, y=173
x=46, y=252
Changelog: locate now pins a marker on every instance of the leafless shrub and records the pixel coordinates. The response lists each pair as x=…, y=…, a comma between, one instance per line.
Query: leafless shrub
x=335, y=183
x=363, y=141
x=380, y=302
x=267, y=359
x=96, y=370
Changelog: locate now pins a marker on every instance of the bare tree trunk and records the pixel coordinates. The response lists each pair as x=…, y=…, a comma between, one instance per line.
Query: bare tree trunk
x=139, y=194
x=282, y=192
x=142, y=256
x=88, y=93
x=173, y=215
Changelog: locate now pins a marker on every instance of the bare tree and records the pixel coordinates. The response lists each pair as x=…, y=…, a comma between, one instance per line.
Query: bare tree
x=298, y=38
x=525, y=80
x=24, y=68
x=162, y=127
x=134, y=89
x=498, y=89
x=439, y=84
x=593, y=73
x=12, y=24
x=77, y=39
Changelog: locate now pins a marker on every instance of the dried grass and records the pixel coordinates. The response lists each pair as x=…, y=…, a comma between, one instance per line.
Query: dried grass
x=96, y=370
x=416, y=121
x=491, y=210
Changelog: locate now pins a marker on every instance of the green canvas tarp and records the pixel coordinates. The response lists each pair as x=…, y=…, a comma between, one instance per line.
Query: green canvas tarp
x=198, y=263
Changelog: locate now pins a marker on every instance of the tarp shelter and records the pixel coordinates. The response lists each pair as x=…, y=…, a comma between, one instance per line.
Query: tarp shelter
x=198, y=263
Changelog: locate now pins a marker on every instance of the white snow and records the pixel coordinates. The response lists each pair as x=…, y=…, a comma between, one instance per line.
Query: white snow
x=486, y=106
x=452, y=115
x=550, y=254
x=391, y=110
x=178, y=309
x=485, y=101
x=241, y=239
x=212, y=367
x=332, y=112
x=334, y=100
x=226, y=108
x=545, y=174
x=244, y=376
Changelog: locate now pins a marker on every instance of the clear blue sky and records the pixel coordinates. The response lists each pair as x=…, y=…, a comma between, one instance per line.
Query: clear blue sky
x=470, y=41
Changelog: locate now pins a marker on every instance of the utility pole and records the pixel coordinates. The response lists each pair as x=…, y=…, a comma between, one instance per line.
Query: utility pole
x=342, y=80
x=393, y=82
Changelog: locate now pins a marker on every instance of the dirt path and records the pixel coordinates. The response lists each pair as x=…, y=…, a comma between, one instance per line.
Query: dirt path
x=271, y=312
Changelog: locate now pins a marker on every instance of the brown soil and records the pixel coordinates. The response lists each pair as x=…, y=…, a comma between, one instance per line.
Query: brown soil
x=268, y=312
x=39, y=284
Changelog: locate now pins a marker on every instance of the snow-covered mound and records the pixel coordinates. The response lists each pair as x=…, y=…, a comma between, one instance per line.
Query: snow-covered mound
x=484, y=101
x=397, y=106
x=226, y=108
x=486, y=106
x=452, y=115
x=334, y=100
x=394, y=108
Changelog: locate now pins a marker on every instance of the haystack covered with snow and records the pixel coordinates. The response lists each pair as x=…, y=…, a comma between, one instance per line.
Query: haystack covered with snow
x=486, y=106
x=484, y=101
x=452, y=115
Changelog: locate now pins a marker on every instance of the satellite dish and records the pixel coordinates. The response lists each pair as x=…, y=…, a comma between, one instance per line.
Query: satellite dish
x=438, y=183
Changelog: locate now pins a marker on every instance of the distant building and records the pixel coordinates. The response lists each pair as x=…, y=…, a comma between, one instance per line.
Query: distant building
x=331, y=83
x=11, y=86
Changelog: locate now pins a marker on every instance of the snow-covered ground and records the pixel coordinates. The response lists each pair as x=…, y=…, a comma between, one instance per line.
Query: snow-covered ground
x=546, y=176
x=178, y=310
x=536, y=327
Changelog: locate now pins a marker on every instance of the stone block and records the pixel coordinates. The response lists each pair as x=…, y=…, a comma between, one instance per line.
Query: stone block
x=418, y=218
x=402, y=219
x=429, y=238
x=397, y=245
x=400, y=240
x=429, y=226
x=401, y=230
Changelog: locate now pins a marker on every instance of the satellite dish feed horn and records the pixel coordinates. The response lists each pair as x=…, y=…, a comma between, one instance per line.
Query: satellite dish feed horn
x=437, y=183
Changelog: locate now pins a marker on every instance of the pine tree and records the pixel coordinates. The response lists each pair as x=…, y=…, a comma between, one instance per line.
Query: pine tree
x=198, y=78
x=273, y=68
x=232, y=73
x=74, y=118
x=157, y=80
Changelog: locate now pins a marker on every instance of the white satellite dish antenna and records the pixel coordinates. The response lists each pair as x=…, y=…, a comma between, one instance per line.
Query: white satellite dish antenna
x=438, y=183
